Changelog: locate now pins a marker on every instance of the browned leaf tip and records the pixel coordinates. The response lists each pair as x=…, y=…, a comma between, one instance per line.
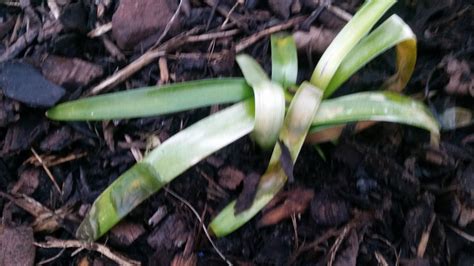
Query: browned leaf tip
x=245, y=199
x=286, y=161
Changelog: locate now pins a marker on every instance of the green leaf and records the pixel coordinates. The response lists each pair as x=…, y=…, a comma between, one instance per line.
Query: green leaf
x=297, y=122
x=163, y=164
x=374, y=106
x=154, y=100
x=284, y=60
x=269, y=102
x=346, y=39
x=393, y=32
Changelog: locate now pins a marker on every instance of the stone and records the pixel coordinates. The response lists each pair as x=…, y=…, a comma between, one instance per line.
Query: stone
x=135, y=21
x=23, y=83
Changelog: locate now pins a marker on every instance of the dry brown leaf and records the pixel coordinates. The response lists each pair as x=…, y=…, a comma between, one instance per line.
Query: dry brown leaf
x=293, y=201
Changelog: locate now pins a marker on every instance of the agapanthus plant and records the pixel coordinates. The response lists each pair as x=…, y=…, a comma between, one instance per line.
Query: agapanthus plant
x=261, y=110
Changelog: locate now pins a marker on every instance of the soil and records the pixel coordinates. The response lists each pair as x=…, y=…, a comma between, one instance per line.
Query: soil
x=382, y=196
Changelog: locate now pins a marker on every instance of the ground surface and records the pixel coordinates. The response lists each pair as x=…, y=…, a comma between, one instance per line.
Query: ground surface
x=380, y=197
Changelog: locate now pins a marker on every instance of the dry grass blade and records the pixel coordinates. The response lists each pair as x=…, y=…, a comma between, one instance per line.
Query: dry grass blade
x=59, y=243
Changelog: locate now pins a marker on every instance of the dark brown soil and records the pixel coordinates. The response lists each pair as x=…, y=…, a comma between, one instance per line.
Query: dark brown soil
x=383, y=196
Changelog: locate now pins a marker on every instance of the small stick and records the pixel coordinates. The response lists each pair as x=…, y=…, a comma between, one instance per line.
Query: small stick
x=211, y=36
x=67, y=158
x=461, y=233
x=420, y=251
x=153, y=54
x=60, y=243
x=52, y=161
x=201, y=222
x=295, y=230
x=226, y=13
x=229, y=14
x=100, y=30
x=170, y=23
x=164, y=72
x=339, y=12
x=127, y=71
x=16, y=28
x=112, y=48
x=337, y=244
x=46, y=261
x=261, y=34
x=46, y=169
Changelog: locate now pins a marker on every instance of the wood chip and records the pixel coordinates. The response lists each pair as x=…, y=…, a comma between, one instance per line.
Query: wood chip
x=16, y=246
x=230, y=177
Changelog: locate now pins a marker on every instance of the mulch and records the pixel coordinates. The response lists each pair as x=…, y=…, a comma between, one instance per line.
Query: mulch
x=382, y=196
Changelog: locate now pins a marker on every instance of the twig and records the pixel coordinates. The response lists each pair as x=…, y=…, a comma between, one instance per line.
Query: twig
x=461, y=233
x=157, y=52
x=52, y=161
x=229, y=14
x=153, y=54
x=360, y=218
x=127, y=71
x=380, y=259
x=226, y=13
x=390, y=245
x=295, y=230
x=201, y=222
x=100, y=30
x=170, y=23
x=261, y=34
x=339, y=12
x=195, y=56
x=59, y=243
x=313, y=245
x=112, y=48
x=420, y=251
x=211, y=36
x=337, y=244
x=164, y=72
x=46, y=169
x=16, y=28
x=53, y=258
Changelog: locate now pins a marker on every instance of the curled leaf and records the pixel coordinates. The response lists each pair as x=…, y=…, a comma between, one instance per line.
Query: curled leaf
x=347, y=39
x=372, y=106
x=269, y=102
x=297, y=122
x=393, y=32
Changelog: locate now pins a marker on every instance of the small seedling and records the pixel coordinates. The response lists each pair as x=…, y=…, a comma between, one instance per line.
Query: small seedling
x=260, y=110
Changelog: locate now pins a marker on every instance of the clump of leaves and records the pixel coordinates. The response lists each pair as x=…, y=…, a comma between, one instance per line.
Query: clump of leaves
x=259, y=109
